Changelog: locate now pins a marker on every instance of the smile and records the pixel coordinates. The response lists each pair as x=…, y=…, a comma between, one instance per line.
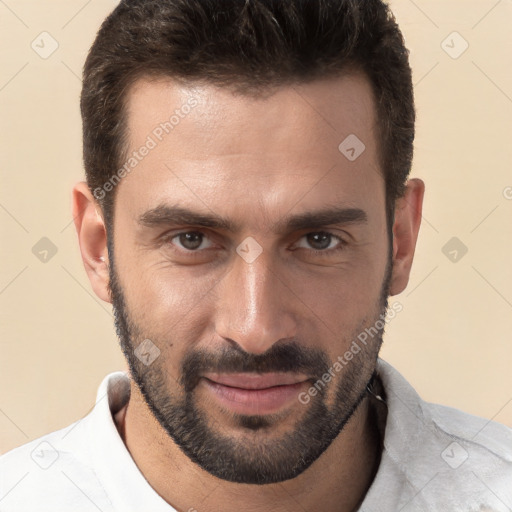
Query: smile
x=255, y=393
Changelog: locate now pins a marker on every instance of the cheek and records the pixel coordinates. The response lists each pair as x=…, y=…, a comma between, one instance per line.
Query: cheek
x=169, y=305
x=348, y=292
x=156, y=300
x=345, y=305
x=157, y=293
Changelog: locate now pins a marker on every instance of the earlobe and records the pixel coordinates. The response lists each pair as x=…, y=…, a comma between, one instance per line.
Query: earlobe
x=406, y=227
x=92, y=238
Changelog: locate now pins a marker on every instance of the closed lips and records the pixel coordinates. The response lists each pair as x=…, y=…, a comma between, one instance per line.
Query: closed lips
x=255, y=380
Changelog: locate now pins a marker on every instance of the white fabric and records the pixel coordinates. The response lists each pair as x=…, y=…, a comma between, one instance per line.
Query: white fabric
x=436, y=459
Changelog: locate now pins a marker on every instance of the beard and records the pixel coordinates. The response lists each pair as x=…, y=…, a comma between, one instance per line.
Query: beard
x=254, y=455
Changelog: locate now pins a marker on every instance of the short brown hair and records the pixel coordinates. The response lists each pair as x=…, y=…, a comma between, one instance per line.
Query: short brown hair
x=250, y=46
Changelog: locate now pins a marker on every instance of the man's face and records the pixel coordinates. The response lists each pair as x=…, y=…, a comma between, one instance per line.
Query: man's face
x=245, y=316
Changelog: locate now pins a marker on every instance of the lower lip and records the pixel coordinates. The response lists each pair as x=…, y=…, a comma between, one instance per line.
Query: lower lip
x=255, y=401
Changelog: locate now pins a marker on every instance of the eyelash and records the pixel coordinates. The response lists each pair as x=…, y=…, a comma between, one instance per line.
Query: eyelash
x=326, y=252
x=167, y=239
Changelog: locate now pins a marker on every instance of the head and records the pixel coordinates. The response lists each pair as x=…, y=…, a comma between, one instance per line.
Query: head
x=247, y=211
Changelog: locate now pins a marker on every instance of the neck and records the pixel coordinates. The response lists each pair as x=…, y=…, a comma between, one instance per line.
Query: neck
x=336, y=482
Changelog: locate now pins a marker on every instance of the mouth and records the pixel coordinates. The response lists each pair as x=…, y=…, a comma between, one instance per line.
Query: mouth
x=252, y=393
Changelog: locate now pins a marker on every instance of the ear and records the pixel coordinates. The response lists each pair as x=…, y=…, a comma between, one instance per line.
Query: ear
x=405, y=233
x=92, y=237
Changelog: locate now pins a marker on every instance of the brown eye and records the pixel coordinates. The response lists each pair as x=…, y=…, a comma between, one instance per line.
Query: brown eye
x=320, y=240
x=190, y=240
x=320, y=244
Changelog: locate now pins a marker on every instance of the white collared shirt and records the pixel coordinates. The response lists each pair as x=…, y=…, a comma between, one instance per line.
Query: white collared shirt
x=435, y=459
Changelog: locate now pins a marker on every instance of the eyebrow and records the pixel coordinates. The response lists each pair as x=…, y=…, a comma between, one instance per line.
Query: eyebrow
x=173, y=214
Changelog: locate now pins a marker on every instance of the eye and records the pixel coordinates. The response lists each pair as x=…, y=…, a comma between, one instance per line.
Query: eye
x=189, y=240
x=322, y=242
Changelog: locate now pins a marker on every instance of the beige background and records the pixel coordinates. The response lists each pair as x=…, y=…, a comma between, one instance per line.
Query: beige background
x=453, y=338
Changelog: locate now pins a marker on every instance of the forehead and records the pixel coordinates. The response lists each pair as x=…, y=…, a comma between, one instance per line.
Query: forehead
x=329, y=108
x=206, y=141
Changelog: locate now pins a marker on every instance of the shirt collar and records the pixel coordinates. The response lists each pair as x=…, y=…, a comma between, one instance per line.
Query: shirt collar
x=122, y=480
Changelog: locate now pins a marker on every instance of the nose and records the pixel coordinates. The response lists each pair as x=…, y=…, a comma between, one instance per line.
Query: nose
x=255, y=307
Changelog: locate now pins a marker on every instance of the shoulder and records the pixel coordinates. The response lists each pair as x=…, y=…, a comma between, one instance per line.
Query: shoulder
x=488, y=437
x=57, y=471
x=443, y=422
x=442, y=456
x=474, y=459
x=50, y=473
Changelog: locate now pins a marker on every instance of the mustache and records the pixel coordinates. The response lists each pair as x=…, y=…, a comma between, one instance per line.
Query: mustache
x=290, y=357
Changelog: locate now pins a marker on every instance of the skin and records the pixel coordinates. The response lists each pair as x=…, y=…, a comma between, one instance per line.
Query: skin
x=254, y=161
